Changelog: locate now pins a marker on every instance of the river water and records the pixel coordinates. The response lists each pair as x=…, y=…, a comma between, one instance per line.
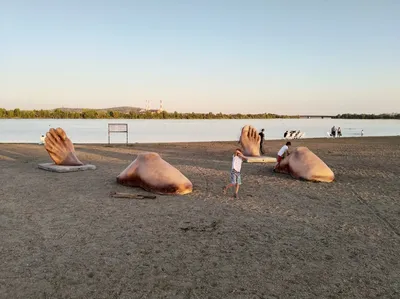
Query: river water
x=149, y=131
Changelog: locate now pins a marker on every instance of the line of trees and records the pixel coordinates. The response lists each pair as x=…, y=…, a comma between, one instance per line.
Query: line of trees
x=94, y=114
x=369, y=116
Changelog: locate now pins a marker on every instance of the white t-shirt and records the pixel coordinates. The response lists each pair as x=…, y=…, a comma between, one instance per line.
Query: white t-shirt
x=283, y=150
x=237, y=163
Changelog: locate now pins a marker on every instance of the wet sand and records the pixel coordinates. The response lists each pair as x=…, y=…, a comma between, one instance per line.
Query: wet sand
x=63, y=236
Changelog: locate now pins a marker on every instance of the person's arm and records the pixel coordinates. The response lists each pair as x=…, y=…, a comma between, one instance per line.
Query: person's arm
x=242, y=157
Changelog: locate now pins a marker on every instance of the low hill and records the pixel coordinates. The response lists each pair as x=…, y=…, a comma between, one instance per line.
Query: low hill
x=122, y=109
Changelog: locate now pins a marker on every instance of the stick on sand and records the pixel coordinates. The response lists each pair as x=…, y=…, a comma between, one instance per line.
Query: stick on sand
x=133, y=196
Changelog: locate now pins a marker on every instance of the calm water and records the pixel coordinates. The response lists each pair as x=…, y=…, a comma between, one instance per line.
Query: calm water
x=95, y=131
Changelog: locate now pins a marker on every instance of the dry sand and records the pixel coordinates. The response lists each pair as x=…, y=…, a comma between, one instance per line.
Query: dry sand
x=63, y=236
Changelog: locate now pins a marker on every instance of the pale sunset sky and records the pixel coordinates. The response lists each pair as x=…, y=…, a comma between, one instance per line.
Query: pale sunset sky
x=230, y=56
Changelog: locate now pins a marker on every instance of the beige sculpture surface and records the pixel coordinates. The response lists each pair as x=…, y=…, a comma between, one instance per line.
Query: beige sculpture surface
x=151, y=173
x=250, y=141
x=302, y=163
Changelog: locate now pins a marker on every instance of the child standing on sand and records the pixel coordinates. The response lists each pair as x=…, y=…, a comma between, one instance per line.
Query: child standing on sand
x=236, y=179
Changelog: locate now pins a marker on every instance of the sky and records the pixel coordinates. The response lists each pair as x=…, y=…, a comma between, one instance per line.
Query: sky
x=229, y=56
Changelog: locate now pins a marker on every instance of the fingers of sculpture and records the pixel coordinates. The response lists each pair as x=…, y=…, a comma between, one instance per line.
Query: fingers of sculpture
x=54, y=142
x=246, y=132
x=50, y=142
x=251, y=133
x=61, y=133
x=55, y=135
x=51, y=136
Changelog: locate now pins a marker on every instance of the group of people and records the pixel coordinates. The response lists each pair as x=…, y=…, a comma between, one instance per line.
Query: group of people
x=238, y=158
x=336, y=132
x=293, y=134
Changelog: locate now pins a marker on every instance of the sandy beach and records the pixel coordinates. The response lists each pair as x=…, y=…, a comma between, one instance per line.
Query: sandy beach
x=63, y=236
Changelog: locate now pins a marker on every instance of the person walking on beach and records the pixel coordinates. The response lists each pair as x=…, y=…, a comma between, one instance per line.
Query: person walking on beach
x=283, y=152
x=333, y=131
x=339, y=132
x=42, y=139
x=285, y=134
x=236, y=179
x=261, y=141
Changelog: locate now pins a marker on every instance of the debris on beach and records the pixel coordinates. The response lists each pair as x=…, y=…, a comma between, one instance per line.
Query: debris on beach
x=133, y=196
x=201, y=227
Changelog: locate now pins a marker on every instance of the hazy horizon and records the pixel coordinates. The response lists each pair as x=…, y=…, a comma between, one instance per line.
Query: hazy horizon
x=256, y=56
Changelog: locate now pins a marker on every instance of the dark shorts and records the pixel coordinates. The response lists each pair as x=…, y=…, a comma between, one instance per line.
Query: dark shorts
x=279, y=159
x=235, y=177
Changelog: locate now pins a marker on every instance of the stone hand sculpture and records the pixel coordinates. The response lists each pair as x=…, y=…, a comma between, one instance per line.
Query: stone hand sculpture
x=60, y=148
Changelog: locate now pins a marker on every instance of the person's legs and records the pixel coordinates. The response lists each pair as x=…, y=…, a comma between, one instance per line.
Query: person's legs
x=261, y=148
x=278, y=161
x=233, y=181
x=228, y=186
x=236, y=195
x=238, y=183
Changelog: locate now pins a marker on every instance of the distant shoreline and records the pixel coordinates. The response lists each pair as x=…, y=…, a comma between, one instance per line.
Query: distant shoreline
x=137, y=113
x=199, y=118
